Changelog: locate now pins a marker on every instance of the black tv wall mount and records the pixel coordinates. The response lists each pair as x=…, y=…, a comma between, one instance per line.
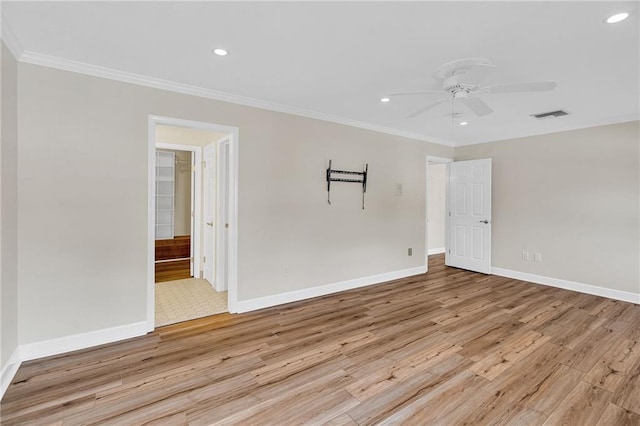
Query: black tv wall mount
x=335, y=176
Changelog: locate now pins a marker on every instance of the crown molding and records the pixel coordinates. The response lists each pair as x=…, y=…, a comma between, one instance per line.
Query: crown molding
x=618, y=119
x=10, y=39
x=141, y=80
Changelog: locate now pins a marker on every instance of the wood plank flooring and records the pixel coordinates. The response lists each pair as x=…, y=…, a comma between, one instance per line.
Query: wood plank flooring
x=174, y=270
x=177, y=247
x=450, y=347
x=169, y=250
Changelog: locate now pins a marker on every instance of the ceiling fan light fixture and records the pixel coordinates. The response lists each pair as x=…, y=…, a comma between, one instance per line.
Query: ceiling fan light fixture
x=385, y=100
x=618, y=17
x=220, y=52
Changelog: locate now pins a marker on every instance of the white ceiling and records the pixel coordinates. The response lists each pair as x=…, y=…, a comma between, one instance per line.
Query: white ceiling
x=337, y=59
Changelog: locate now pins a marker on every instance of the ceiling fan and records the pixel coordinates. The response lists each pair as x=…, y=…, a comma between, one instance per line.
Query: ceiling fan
x=461, y=82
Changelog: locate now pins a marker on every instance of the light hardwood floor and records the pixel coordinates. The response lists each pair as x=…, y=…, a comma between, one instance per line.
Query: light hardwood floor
x=449, y=348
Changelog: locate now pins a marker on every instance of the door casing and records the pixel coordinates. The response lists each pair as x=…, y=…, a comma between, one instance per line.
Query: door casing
x=232, y=258
x=223, y=196
x=209, y=213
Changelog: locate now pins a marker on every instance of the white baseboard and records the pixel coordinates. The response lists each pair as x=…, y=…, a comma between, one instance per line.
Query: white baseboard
x=81, y=341
x=308, y=293
x=9, y=371
x=624, y=296
x=435, y=251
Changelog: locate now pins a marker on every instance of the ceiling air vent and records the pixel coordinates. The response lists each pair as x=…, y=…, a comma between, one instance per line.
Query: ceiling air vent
x=550, y=114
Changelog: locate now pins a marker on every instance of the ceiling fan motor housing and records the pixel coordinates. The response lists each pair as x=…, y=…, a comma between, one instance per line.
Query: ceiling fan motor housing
x=458, y=89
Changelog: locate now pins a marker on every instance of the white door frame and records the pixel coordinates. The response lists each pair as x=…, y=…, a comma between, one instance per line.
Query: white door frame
x=232, y=260
x=221, y=204
x=196, y=194
x=439, y=160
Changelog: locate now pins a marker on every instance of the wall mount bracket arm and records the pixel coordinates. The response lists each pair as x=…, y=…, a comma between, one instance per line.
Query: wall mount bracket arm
x=360, y=177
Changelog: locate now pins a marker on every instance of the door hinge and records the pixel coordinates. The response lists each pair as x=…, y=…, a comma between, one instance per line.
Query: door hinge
x=191, y=259
x=204, y=259
x=449, y=213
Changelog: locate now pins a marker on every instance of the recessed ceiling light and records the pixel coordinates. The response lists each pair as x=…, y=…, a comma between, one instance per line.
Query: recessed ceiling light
x=220, y=52
x=384, y=100
x=617, y=17
x=463, y=123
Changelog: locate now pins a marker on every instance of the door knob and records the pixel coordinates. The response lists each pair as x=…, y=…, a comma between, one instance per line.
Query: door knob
x=210, y=223
x=484, y=221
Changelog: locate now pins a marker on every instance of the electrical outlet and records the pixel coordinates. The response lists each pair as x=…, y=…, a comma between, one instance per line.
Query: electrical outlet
x=525, y=256
x=537, y=257
x=410, y=251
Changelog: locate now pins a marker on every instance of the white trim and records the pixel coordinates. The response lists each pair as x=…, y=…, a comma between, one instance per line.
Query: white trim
x=439, y=160
x=9, y=371
x=196, y=221
x=232, y=254
x=220, y=205
x=308, y=293
x=151, y=231
x=232, y=295
x=625, y=296
x=209, y=150
x=81, y=341
x=625, y=118
x=141, y=80
x=36, y=58
x=10, y=39
x=436, y=251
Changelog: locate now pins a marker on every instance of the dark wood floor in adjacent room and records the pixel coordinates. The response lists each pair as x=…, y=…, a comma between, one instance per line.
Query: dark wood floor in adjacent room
x=450, y=347
x=172, y=259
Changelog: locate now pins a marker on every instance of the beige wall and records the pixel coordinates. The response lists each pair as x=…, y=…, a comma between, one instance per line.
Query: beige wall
x=91, y=269
x=436, y=185
x=8, y=210
x=571, y=196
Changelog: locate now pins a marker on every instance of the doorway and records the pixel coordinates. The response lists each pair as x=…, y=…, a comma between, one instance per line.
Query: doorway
x=177, y=212
x=209, y=251
x=436, y=198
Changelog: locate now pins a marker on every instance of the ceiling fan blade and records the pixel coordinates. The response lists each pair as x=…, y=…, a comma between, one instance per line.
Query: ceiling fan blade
x=427, y=108
x=423, y=92
x=477, y=105
x=536, y=86
x=477, y=73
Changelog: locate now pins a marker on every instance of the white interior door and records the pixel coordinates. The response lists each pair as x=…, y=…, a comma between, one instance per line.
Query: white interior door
x=469, y=215
x=222, y=248
x=208, y=235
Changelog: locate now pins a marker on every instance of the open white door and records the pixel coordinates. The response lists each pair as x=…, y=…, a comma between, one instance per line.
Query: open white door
x=208, y=210
x=469, y=215
x=222, y=241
